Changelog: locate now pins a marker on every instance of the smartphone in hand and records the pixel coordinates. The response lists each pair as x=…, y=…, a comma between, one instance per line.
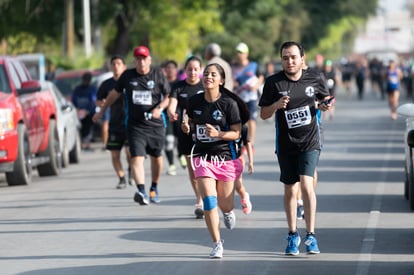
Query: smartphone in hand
x=330, y=100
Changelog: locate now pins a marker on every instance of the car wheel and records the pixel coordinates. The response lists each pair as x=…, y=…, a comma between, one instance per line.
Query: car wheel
x=22, y=168
x=74, y=154
x=53, y=167
x=65, y=151
x=411, y=180
x=406, y=184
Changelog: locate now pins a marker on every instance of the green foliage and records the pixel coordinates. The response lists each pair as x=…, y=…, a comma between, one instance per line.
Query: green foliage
x=21, y=43
x=183, y=24
x=41, y=18
x=177, y=28
x=95, y=61
x=324, y=14
x=336, y=44
x=254, y=22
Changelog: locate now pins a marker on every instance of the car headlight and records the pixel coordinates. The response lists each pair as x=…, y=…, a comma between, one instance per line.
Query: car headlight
x=6, y=120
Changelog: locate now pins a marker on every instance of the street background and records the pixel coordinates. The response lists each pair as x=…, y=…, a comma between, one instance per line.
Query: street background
x=78, y=223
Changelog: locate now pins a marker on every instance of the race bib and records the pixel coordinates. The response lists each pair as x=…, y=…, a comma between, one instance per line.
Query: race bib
x=298, y=117
x=202, y=136
x=142, y=97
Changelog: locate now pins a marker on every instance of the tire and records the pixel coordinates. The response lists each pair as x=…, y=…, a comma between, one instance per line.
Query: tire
x=22, y=168
x=74, y=154
x=53, y=167
x=406, y=184
x=65, y=152
x=411, y=181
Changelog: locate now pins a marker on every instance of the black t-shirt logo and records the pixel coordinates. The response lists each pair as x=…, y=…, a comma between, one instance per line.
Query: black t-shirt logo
x=150, y=84
x=309, y=91
x=217, y=115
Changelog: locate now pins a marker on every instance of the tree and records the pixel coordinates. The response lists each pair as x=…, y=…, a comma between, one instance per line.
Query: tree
x=177, y=28
x=171, y=28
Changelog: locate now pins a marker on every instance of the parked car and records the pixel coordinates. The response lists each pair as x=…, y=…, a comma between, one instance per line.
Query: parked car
x=407, y=111
x=68, y=126
x=67, y=81
x=35, y=64
x=28, y=130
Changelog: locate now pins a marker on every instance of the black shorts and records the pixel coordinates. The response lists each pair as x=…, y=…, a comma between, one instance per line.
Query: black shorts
x=184, y=143
x=292, y=166
x=116, y=140
x=346, y=77
x=143, y=141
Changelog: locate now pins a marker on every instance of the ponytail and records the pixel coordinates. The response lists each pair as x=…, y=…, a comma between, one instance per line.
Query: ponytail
x=244, y=111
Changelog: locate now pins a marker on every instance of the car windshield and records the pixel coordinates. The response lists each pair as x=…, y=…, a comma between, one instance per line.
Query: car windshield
x=67, y=85
x=4, y=84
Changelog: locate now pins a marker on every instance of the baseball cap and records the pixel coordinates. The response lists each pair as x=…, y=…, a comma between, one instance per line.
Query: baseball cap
x=141, y=51
x=242, y=47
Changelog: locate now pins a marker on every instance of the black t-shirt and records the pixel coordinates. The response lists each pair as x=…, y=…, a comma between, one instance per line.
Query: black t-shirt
x=297, y=129
x=143, y=94
x=182, y=91
x=222, y=113
x=117, y=109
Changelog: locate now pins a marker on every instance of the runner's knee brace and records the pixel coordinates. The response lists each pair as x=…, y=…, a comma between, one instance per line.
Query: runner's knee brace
x=210, y=202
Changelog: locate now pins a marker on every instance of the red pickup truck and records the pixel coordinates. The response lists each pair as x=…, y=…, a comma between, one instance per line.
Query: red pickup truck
x=28, y=133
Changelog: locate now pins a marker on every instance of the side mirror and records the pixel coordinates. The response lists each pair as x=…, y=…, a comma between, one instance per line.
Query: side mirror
x=66, y=108
x=29, y=87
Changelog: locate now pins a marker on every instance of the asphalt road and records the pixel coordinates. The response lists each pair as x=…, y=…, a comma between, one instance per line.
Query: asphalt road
x=79, y=223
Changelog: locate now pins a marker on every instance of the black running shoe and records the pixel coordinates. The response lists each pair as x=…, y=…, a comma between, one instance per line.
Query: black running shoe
x=121, y=184
x=141, y=198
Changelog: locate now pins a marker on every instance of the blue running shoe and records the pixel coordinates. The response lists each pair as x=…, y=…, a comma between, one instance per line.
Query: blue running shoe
x=141, y=198
x=311, y=244
x=293, y=244
x=154, y=196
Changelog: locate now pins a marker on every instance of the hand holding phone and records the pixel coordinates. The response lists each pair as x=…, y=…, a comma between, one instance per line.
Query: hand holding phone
x=330, y=100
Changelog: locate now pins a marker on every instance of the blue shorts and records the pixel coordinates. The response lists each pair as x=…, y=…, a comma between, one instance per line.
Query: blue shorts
x=292, y=166
x=106, y=115
x=253, y=109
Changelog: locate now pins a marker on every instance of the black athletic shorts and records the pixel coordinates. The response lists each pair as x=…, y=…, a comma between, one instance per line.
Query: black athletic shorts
x=184, y=143
x=143, y=141
x=292, y=166
x=116, y=140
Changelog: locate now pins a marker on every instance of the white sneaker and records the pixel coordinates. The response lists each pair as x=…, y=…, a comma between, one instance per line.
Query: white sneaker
x=229, y=220
x=183, y=161
x=217, y=252
x=172, y=171
x=300, y=212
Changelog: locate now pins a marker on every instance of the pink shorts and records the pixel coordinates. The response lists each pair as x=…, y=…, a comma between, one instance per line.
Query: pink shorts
x=228, y=170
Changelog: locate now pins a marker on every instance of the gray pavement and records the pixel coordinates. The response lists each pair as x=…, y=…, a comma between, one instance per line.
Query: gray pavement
x=79, y=223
